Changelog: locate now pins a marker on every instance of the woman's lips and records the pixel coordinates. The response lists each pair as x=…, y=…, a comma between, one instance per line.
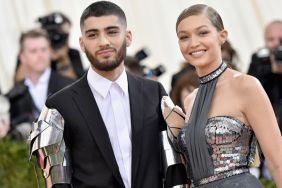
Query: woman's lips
x=197, y=53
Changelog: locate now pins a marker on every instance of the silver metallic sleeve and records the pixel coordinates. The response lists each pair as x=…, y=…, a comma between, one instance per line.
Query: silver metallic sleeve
x=174, y=169
x=47, y=144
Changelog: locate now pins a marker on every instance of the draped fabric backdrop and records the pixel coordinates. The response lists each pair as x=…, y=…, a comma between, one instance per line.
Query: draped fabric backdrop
x=152, y=23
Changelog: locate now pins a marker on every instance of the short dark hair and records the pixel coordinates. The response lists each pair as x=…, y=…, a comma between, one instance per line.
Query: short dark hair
x=33, y=33
x=103, y=8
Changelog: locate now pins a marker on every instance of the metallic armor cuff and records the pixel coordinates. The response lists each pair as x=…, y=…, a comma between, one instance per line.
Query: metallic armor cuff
x=47, y=144
x=174, y=169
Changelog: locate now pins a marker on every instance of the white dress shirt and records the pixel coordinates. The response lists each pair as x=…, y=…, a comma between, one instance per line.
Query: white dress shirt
x=113, y=102
x=39, y=91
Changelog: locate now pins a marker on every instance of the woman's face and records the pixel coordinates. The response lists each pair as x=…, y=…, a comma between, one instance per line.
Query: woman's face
x=199, y=40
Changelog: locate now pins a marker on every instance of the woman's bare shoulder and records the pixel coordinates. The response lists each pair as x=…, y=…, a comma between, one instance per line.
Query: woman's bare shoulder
x=246, y=83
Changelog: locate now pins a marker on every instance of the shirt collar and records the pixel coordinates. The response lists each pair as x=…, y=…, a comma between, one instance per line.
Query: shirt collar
x=43, y=79
x=122, y=82
x=102, y=85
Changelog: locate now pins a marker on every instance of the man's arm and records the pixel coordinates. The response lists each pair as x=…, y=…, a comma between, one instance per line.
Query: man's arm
x=48, y=146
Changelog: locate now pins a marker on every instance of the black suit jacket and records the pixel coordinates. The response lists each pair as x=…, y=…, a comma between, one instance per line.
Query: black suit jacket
x=23, y=108
x=85, y=134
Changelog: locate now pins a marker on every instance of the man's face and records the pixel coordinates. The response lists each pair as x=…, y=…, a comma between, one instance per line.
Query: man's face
x=104, y=40
x=36, y=54
x=273, y=34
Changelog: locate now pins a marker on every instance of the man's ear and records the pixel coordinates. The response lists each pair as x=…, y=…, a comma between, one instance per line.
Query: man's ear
x=223, y=36
x=128, y=38
x=22, y=58
x=81, y=43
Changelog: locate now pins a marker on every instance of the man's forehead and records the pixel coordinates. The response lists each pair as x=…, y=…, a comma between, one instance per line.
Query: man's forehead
x=102, y=22
x=32, y=40
x=275, y=27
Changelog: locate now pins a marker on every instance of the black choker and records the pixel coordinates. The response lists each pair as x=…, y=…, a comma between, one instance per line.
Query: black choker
x=214, y=74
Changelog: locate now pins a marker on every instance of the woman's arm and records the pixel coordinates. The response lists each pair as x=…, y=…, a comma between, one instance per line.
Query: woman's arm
x=260, y=115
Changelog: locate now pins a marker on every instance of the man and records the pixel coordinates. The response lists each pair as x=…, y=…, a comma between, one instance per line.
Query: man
x=112, y=118
x=269, y=72
x=28, y=96
x=267, y=69
x=65, y=60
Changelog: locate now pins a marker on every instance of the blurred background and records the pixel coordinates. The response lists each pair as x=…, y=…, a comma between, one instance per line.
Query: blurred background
x=151, y=22
x=154, y=54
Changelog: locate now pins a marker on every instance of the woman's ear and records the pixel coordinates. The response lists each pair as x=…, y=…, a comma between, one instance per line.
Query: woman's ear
x=223, y=36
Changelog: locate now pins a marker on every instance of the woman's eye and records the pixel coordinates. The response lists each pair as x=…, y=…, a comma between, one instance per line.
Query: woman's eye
x=202, y=33
x=184, y=37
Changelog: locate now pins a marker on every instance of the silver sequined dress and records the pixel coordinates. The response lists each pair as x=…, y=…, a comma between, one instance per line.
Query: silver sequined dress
x=218, y=150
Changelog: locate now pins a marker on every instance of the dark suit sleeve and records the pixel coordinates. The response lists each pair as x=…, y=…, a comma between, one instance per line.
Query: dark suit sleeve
x=162, y=127
x=162, y=121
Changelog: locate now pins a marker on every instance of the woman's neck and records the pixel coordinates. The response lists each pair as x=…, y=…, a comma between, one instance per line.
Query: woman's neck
x=208, y=68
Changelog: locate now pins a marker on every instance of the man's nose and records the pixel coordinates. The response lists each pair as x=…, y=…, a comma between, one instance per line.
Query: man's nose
x=104, y=40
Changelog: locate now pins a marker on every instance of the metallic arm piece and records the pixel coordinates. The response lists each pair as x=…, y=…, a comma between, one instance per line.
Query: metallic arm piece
x=47, y=144
x=174, y=169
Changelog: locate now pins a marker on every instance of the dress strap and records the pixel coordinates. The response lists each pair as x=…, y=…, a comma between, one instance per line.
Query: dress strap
x=198, y=150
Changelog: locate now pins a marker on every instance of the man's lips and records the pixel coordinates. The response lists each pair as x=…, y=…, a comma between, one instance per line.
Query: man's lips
x=105, y=52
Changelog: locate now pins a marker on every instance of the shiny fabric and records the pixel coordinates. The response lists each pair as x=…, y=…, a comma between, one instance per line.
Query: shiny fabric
x=217, y=149
x=245, y=180
x=231, y=148
x=229, y=140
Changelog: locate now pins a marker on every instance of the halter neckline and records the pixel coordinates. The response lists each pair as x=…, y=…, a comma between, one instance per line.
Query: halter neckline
x=214, y=74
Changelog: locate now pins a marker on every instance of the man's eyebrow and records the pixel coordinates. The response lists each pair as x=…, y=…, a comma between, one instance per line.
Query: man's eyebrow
x=96, y=30
x=111, y=27
x=91, y=30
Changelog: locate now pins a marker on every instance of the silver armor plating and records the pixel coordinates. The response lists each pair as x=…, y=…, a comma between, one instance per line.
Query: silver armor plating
x=47, y=144
x=174, y=117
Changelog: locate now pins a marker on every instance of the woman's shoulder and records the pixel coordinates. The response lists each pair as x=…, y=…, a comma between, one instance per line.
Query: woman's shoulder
x=244, y=82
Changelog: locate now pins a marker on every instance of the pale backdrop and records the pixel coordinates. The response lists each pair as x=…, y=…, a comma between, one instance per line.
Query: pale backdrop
x=152, y=23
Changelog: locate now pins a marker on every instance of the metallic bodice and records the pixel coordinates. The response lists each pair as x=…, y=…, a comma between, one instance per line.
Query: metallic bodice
x=231, y=146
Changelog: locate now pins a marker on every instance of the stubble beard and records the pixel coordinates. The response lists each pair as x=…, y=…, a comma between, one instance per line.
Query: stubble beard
x=107, y=65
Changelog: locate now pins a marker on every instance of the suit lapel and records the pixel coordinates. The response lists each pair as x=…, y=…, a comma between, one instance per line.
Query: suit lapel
x=135, y=88
x=87, y=105
x=29, y=100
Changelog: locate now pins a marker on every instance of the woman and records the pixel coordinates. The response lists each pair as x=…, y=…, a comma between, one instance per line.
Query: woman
x=225, y=113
